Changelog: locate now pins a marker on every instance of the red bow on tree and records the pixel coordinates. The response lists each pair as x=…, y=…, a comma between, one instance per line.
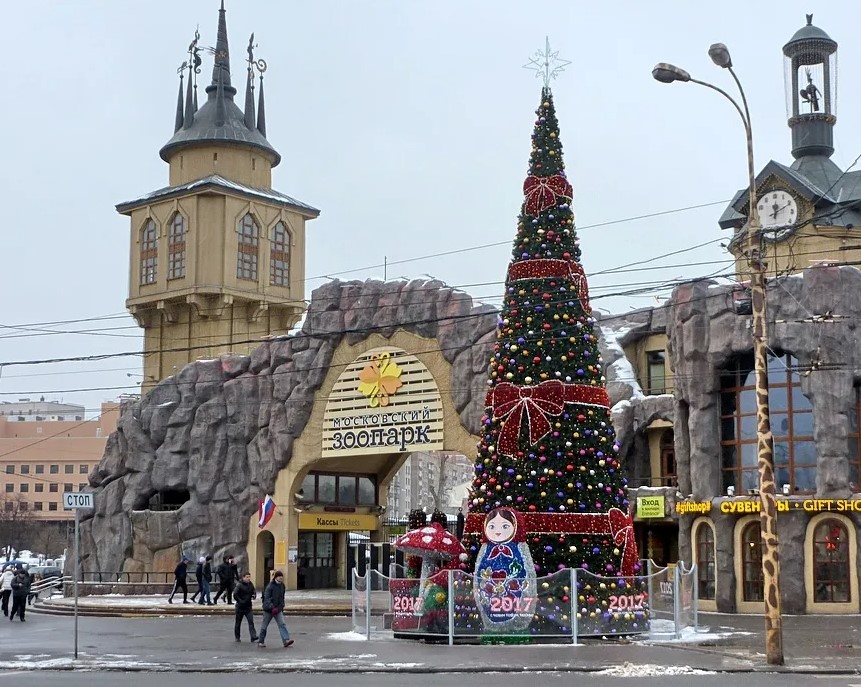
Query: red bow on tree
x=511, y=402
x=622, y=529
x=543, y=192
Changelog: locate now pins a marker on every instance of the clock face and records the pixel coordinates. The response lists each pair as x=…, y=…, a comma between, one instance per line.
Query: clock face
x=777, y=209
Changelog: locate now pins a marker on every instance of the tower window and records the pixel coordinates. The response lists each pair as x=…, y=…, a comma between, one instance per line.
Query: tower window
x=656, y=361
x=176, y=248
x=246, y=256
x=279, y=256
x=149, y=252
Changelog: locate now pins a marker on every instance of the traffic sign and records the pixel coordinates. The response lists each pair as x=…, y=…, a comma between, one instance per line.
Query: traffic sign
x=73, y=500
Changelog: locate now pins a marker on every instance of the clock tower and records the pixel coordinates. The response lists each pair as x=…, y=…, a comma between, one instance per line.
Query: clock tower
x=809, y=209
x=217, y=257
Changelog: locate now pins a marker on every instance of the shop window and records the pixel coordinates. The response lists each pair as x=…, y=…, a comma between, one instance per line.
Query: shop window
x=791, y=425
x=705, y=546
x=149, y=252
x=668, y=459
x=751, y=563
x=279, y=256
x=176, y=248
x=342, y=490
x=326, y=491
x=247, y=244
x=831, y=568
x=657, y=371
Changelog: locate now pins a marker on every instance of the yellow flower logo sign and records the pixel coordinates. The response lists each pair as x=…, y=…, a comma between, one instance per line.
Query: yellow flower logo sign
x=380, y=380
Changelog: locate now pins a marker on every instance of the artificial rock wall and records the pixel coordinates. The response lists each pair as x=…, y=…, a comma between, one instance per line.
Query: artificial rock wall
x=221, y=430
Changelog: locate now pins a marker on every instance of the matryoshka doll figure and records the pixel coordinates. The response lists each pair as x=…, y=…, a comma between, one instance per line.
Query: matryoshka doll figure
x=505, y=583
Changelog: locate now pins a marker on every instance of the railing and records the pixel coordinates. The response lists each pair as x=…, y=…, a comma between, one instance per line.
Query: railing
x=659, y=604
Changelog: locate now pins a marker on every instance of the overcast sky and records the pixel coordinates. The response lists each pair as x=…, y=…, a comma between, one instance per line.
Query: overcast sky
x=406, y=122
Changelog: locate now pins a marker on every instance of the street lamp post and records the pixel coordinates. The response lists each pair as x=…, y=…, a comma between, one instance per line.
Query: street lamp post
x=668, y=73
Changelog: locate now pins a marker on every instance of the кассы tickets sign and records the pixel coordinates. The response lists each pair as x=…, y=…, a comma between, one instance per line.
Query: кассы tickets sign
x=385, y=401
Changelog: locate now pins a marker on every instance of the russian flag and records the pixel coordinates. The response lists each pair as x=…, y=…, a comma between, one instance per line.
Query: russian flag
x=267, y=510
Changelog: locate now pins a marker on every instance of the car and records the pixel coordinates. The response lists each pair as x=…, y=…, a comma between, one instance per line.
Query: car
x=44, y=572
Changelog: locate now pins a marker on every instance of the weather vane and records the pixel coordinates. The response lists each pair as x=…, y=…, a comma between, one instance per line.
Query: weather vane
x=546, y=64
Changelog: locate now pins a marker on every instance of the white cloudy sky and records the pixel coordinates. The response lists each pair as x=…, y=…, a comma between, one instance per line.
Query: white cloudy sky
x=406, y=122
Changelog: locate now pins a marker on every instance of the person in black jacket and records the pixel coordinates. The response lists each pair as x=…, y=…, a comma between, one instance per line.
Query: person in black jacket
x=205, y=597
x=226, y=579
x=273, y=608
x=198, y=576
x=244, y=594
x=234, y=571
x=180, y=573
x=20, y=590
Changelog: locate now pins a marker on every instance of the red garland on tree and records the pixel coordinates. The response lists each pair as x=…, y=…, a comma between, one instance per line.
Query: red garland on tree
x=548, y=447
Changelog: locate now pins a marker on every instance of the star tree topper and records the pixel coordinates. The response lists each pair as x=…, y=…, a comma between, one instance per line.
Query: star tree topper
x=546, y=63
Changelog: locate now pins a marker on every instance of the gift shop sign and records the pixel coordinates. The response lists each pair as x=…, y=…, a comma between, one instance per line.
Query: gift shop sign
x=746, y=506
x=385, y=401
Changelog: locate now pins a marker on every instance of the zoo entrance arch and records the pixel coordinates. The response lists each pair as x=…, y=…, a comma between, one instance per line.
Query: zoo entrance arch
x=381, y=399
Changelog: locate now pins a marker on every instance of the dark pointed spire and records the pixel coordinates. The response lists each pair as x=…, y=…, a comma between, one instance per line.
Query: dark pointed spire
x=190, y=105
x=221, y=66
x=220, y=108
x=179, y=102
x=261, y=111
x=249, y=86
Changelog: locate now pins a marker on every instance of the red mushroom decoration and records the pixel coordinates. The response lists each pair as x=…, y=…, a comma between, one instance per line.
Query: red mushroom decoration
x=433, y=544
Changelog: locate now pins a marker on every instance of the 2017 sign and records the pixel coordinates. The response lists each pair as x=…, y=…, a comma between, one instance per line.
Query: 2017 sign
x=627, y=602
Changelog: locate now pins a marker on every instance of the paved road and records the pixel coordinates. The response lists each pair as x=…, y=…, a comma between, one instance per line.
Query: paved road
x=391, y=680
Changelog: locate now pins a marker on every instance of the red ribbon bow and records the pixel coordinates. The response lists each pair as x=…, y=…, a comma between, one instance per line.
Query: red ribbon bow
x=542, y=192
x=622, y=529
x=511, y=402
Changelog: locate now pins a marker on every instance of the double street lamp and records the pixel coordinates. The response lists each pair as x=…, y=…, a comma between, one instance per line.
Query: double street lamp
x=668, y=73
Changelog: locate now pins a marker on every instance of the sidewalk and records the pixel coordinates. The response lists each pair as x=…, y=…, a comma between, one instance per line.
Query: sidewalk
x=191, y=639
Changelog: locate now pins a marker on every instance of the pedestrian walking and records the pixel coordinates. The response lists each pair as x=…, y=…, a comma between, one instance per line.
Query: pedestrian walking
x=205, y=597
x=20, y=590
x=234, y=569
x=198, y=576
x=273, y=609
x=225, y=579
x=244, y=594
x=6, y=587
x=180, y=573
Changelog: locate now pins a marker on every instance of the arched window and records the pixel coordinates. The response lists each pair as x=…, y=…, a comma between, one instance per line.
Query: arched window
x=705, y=543
x=668, y=459
x=149, y=252
x=831, y=562
x=279, y=256
x=791, y=424
x=176, y=248
x=246, y=256
x=751, y=563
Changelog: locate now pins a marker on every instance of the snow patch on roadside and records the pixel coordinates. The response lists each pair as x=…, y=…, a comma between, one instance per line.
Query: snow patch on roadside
x=650, y=670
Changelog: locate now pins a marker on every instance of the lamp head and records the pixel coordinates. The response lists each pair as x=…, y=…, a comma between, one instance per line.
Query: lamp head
x=720, y=55
x=667, y=73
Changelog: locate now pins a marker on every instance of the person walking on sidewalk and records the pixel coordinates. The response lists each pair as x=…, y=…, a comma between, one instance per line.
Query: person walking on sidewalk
x=180, y=574
x=205, y=595
x=243, y=595
x=273, y=609
x=226, y=580
x=6, y=587
x=198, y=576
x=20, y=590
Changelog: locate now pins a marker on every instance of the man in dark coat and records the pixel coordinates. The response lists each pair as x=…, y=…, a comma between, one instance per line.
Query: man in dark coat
x=205, y=597
x=243, y=595
x=226, y=580
x=180, y=573
x=198, y=576
x=20, y=590
x=273, y=609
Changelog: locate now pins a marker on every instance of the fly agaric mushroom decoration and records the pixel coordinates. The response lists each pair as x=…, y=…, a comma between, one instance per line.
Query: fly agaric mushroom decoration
x=434, y=545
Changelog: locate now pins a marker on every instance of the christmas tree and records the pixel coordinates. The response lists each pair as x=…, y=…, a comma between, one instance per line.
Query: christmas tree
x=548, y=448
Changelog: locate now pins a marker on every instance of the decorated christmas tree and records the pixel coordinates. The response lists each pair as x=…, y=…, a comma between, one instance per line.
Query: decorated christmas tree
x=548, y=450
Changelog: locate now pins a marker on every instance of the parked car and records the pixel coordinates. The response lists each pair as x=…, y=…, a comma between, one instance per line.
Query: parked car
x=44, y=572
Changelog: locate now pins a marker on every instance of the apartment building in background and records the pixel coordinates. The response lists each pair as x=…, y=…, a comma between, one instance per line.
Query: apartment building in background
x=47, y=448
x=430, y=480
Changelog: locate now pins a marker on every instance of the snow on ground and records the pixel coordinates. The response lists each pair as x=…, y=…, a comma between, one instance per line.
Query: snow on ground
x=347, y=636
x=649, y=670
x=663, y=632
